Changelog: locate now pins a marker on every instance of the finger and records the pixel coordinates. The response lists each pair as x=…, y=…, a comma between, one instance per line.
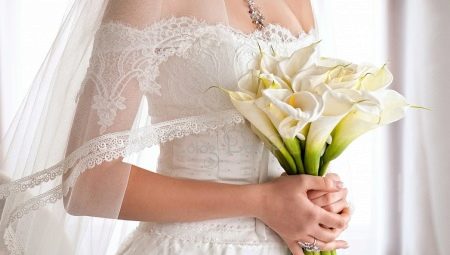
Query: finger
x=313, y=194
x=333, y=176
x=346, y=214
x=334, y=220
x=333, y=245
x=320, y=183
x=337, y=207
x=324, y=234
x=330, y=198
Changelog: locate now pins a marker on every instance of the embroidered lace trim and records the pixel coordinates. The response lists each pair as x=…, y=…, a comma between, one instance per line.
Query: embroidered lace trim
x=11, y=242
x=109, y=147
x=137, y=54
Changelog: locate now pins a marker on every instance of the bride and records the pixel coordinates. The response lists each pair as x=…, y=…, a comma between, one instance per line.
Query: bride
x=124, y=76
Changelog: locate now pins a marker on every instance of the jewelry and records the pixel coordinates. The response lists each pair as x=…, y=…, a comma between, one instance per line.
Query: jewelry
x=309, y=246
x=255, y=14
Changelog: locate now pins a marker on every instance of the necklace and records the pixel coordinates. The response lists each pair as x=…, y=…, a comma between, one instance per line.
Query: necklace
x=255, y=14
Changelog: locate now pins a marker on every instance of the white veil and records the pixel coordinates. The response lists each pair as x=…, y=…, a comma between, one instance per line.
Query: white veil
x=94, y=102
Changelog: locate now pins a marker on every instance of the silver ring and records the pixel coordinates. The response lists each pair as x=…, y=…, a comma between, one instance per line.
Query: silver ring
x=309, y=246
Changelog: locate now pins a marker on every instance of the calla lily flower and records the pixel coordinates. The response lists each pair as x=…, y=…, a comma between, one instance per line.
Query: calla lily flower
x=249, y=84
x=290, y=112
x=366, y=116
x=245, y=104
x=336, y=107
x=380, y=79
x=271, y=81
x=289, y=67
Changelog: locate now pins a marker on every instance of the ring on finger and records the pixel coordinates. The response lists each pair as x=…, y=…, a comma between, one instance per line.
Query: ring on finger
x=309, y=246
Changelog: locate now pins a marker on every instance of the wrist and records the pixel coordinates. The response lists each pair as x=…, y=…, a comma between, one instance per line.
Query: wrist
x=255, y=199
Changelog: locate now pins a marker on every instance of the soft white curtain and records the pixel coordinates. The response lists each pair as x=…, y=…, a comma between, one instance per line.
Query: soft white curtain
x=420, y=45
x=398, y=176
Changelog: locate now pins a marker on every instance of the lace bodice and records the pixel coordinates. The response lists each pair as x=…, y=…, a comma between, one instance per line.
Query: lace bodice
x=176, y=61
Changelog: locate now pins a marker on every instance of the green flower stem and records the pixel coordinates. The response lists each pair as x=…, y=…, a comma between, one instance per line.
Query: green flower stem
x=293, y=146
x=280, y=152
x=312, y=159
x=325, y=253
x=285, y=163
x=323, y=168
x=333, y=252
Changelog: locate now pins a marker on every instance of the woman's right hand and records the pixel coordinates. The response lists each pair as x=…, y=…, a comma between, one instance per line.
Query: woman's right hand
x=287, y=210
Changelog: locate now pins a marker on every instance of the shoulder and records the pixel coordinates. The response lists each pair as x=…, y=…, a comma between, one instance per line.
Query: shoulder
x=133, y=12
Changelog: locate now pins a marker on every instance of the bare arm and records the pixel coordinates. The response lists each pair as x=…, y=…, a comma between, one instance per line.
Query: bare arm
x=154, y=197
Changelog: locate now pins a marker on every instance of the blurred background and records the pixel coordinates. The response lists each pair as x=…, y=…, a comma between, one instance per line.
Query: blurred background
x=398, y=176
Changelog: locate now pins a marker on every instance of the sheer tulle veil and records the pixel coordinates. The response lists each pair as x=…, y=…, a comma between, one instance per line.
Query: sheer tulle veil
x=89, y=107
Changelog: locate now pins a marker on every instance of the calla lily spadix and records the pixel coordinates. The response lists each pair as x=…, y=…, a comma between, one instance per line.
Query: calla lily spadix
x=301, y=107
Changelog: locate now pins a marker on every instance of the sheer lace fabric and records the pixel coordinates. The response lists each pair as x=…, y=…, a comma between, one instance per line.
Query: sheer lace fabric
x=152, y=86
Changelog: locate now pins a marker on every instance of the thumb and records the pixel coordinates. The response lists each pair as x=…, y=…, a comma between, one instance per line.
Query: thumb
x=321, y=183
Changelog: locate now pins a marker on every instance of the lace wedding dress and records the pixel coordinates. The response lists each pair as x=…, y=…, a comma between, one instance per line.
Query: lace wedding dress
x=213, y=141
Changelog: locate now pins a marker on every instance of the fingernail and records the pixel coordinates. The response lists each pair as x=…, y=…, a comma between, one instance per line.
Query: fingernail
x=339, y=184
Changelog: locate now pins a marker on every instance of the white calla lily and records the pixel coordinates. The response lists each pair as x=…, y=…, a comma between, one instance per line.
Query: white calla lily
x=278, y=117
x=336, y=107
x=271, y=81
x=299, y=108
x=379, y=79
x=245, y=104
x=308, y=79
x=367, y=116
x=289, y=67
x=269, y=63
x=248, y=83
x=331, y=62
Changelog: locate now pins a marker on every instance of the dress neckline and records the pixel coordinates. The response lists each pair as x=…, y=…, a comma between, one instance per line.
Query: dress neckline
x=267, y=30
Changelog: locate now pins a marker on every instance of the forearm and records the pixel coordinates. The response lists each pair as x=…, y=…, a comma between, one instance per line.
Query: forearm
x=154, y=197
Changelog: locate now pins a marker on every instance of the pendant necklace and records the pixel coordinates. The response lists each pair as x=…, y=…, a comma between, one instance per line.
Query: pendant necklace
x=255, y=14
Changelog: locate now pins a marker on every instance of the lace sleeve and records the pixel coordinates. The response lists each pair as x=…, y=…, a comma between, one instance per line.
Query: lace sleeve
x=108, y=104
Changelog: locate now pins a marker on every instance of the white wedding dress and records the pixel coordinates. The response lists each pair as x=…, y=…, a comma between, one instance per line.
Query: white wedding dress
x=200, y=134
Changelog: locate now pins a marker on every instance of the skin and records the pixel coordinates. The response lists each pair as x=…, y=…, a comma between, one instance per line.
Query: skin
x=298, y=208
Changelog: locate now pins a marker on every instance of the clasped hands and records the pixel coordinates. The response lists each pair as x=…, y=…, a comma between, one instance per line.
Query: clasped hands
x=307, y=209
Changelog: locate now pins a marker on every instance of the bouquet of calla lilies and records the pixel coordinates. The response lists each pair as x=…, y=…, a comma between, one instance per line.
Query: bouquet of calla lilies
x=308, y=110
